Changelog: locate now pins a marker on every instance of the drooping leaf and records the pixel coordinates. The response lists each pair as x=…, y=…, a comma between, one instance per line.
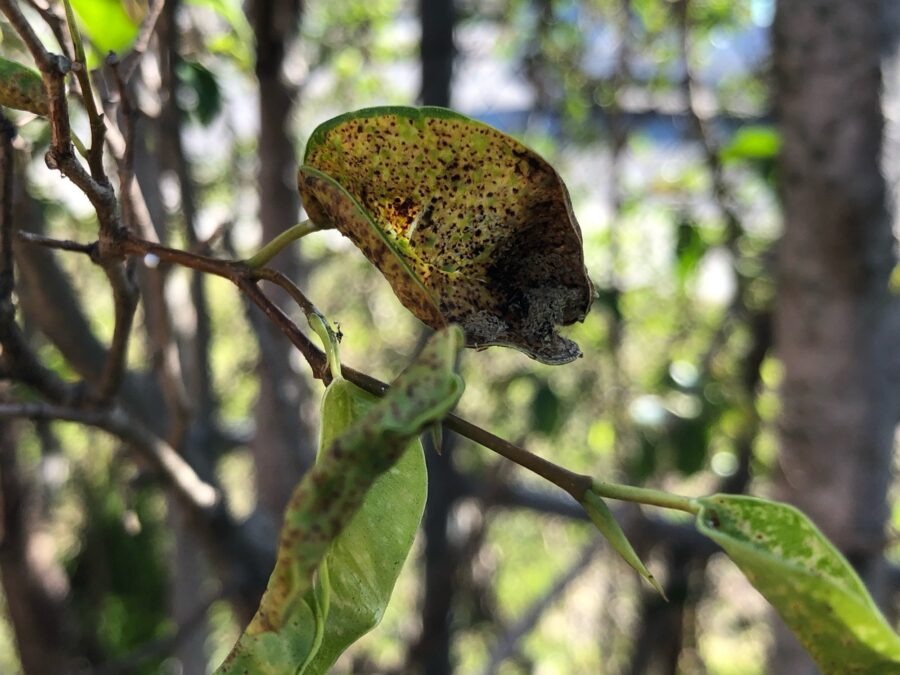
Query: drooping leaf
x=806, y=579
x=287, y=627
x=365, y=560
x=22, y=88
x=467, y=224
x=108, y=23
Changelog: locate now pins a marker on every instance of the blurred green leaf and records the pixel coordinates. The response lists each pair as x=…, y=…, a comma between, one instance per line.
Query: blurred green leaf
x=813, y=587
x=689, y=249
x=107, y=24
x=199, y=92
x=238, y=41
x=546, y=410
x=753, y=142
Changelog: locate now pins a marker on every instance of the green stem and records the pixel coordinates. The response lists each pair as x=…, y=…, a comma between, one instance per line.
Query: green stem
x=628, y=493
x=273, y=248
x=329, y=341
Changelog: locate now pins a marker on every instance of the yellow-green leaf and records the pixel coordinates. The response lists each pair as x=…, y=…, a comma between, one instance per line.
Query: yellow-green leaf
x=467, y=224
x=111, y=25
x=806, y=579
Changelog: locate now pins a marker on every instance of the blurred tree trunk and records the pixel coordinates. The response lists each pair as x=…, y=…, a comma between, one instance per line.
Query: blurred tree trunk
x=281, y=448
x=436, y=50
x=34, y=586
x=836, y=255
x=432, y=652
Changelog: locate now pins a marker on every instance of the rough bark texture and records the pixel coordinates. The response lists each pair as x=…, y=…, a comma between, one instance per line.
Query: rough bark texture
x=835, y=258
x=281, y=449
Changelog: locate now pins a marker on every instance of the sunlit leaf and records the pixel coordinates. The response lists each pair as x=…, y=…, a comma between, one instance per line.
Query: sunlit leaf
x=21, y=88
x=812, y=586
x=467, y=224
x=107, y=23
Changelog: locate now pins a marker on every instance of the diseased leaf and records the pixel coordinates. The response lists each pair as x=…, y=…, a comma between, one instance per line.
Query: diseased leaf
x=365, y=560
x=806, y=579
x=287, y=627
x=467, y=224
x=22, y=88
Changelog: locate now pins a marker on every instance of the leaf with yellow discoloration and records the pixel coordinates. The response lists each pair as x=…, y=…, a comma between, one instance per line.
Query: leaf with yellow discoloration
x=468, y=225
x=22, y=88
x=813, y=587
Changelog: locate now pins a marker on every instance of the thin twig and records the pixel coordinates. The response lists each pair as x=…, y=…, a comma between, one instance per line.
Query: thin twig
x=246, y=280
x=131, y=60
x=58, y=244
x=56, y=24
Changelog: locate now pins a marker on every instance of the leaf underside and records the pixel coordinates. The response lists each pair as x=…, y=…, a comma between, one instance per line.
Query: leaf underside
x=812, y=586
x=468, y=225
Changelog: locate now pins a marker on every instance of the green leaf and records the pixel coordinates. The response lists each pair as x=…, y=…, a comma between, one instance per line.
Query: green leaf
x=238, y=39
x=366, y=558
x=108, y=23
x=467, y=224
x=22, y=88
x=606, y=523
x=806, y=579
x=200, y=91
x=755, y=142
x=287, y=630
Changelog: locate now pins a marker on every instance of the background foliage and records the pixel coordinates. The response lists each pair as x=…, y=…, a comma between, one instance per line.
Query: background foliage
x=659, y=117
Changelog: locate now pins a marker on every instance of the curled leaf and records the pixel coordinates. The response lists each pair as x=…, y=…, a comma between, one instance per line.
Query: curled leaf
x=365, y=559
x=468, y=225
x=22, y=88
x=294, y=621
x=813, y=587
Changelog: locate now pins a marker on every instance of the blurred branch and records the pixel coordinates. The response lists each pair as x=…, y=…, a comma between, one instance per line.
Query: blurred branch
x=510, y=641
x=159, y=454
x=132, y=60
x=699, y=123
x=56, y=23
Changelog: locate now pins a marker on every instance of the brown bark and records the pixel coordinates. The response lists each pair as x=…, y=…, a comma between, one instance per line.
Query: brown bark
x=835, y=258
x=281, y=448
x=33, y=584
